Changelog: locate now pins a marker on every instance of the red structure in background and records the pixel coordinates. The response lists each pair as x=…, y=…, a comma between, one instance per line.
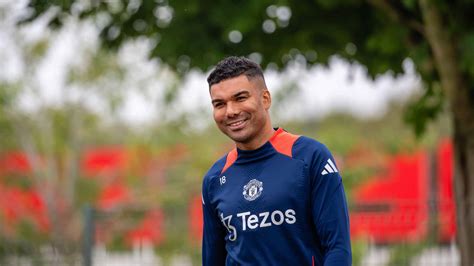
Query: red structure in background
x=107, y=165
x=149, y=230
x=107, y=161
x=446, y=204
x=196, y=219
x=17, y=204
x=15, y=162
x=394, y=207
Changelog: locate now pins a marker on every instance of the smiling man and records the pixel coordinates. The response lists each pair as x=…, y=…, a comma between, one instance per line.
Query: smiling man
x=277, y=198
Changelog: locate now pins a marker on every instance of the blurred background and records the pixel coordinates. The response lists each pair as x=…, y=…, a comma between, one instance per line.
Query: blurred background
x=106, y=127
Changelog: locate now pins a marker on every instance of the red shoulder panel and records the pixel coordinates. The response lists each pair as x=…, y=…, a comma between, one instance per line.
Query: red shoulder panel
x=283, y=141
x=231, y=157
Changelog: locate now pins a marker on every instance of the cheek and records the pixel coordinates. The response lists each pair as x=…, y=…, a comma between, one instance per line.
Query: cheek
x=259, y=108
x=218, y=115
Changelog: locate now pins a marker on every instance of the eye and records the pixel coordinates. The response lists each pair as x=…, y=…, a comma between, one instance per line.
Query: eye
x=241, y=98
x=218, y=105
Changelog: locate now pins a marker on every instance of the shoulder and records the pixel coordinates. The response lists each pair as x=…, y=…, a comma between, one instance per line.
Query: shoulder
x=305, y=147
x=213, y=174
x=298, y=146
x=219, y=167
x=216, y=169
x=316, y=156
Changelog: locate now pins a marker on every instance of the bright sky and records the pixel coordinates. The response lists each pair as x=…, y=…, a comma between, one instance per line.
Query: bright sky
x=340, y=87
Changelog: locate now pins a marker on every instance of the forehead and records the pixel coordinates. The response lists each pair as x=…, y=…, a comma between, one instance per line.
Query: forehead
x=229, y=87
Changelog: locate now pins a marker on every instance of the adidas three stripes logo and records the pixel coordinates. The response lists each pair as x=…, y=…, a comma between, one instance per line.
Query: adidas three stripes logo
x=330, y=167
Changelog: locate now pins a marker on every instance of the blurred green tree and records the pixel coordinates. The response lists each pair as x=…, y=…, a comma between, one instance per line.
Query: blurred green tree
x=381, y=34
x=53, y=136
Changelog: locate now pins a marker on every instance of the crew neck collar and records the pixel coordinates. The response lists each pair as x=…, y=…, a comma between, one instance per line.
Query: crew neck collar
x=262, y=151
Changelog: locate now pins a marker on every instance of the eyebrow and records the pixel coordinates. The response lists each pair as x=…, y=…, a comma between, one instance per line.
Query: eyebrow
x=239, y=93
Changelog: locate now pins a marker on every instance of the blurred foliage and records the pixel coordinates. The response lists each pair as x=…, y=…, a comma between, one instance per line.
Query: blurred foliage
x=359, y=248
x=378, y=34
x=426, y=107
x=88, y=192
x=402, y=254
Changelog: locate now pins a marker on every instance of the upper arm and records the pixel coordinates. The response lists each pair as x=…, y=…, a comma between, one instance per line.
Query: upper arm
x=329, y=208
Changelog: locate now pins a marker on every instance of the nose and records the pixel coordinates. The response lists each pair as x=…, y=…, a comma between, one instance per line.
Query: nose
x=232, y=110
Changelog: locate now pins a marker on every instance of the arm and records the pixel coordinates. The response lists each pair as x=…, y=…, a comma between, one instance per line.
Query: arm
x=213, y=241
x=330, y=213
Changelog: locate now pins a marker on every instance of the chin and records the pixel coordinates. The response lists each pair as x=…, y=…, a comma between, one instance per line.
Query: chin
x=241, y=137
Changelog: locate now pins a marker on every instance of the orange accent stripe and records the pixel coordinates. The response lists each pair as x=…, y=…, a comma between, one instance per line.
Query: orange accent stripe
x=231, y=157
x=283, y=141
x=312, y=259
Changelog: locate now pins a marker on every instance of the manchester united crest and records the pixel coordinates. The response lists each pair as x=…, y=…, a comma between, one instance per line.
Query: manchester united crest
x=252, y=190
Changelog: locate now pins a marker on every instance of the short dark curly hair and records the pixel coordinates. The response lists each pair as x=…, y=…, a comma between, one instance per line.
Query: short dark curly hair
x=233, y=66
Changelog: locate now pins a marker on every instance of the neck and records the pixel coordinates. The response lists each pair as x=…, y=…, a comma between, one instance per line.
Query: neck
x=266, y=133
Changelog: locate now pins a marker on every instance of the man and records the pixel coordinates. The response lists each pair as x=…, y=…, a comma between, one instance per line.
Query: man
x=277, y=198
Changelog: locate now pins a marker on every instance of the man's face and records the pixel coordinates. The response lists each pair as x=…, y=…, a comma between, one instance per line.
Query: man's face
x=240, y=108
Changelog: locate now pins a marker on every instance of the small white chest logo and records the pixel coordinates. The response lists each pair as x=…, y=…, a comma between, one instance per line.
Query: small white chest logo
x=253, y=189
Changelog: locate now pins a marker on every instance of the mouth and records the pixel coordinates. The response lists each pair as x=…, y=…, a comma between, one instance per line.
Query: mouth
x=237, y=125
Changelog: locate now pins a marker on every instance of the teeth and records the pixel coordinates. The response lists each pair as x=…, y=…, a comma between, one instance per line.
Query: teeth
x=236, y=123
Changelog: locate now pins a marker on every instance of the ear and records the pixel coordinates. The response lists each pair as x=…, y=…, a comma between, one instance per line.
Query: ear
x=267, y=99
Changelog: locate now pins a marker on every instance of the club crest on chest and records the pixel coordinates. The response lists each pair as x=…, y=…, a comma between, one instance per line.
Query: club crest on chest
x=253, y=189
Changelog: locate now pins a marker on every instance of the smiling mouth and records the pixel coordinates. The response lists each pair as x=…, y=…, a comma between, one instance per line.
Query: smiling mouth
x=237, y=124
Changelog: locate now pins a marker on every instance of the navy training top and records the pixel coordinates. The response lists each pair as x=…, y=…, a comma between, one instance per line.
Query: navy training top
x=281, y=204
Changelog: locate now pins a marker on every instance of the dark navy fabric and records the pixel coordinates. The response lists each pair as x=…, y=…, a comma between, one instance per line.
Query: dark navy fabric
x=269, y=208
